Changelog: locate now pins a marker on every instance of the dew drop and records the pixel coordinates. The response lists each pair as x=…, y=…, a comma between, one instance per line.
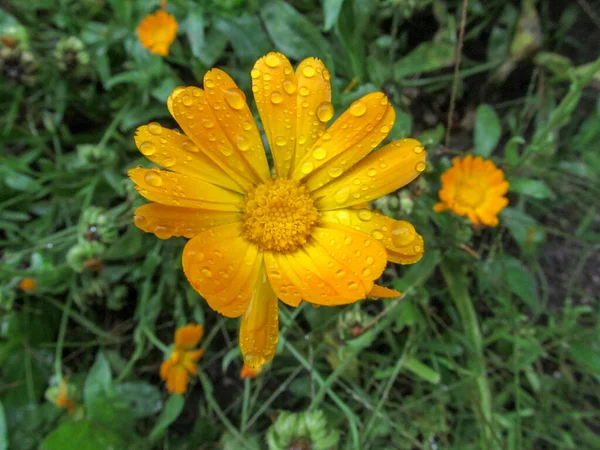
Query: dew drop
x=420, y=167
x=187, y=100
x=319, y=153
x=418, y=149
x=402, y=234
x=276, y=97
x=209, y=84
x=242, y=143
x=189, y=146
x=307, y=167
x=246, y=125
x=153, y=179
x=235, y=98
x=148, y=148
x=325, y=111
x=289, y=87
x=255, y=73
x=162, y=232
x=155, y=128
x=340, y=273
x=140, y=221
x=207, y=123
x=385, y=129
x=365, y=215
x=417, y=249
x=335, y=172
x=384, y=100
x=206, y=272
x=372, y=172
x=342, y=195
x=369, y=260
x=377, y=234
x=353, y=285
x=366, y=272
x=326, y=75
x=169, y=161
x=308, y=71
x=272, y=60
x=357, y=109
x=303, y=91
x=347, y=240
x=280, y=141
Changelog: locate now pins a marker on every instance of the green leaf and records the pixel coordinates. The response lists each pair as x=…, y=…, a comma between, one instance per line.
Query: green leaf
x=532, y=188
x=520, y=281
x=247, y=37
x=487, y=130
x=82, y=435
x=97, y=390
x=524, y=229
x=422, y=371
x=3, y=429
x=171, y=411
x=140, y=399
x=586, y=356
x=427, y=57
x=195, y=31
x=331, y=12
x=293, y=34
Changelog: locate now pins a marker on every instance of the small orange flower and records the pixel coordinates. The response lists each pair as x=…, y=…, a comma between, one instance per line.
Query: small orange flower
x=475, y=188
x=157, y=32
x=182, y=363
x=28, y=284
x=64, y=400
x=249, y=372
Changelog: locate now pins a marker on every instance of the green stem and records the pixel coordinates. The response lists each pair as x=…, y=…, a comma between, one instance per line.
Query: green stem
x=60, y=342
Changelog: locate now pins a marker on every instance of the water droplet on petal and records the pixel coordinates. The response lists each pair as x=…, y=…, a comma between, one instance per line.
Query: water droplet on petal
x=370, y=260
x=246, y=125
x=342, y=195
x=155, y=128
x=319, y=153
x=372, y=172
x=242, y=143
x=189, y=146
x=420, y=167
x=353, y=285
x=303, y=91
x=187, y=100
x=162, y=232
x=335, y=172
x=357, y=109
x=255, y=73
x=147, y=148
x=206, y=272
x=326, y=75
x=276, y=97
x=272, y=60
x=340, y=273
x=402, y=234
x=235, y=98
x=365, y=215
x=169, y=161
x=377, y=234
x=153, y=178
x=385, y=129
x=418, y=149
x=325, y=111
x=140, y=221
x=366, y=272
x=417, y=249
x=289, y=87
x=308, y=71
x=307, y=167
x=280, y=141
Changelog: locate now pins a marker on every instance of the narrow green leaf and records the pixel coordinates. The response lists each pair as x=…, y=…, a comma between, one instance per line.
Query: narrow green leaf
x=170, y=412
x=247, y=37
x=195, y=31
x=331, y=12
x=487, y=130
x=3, y=429
x=422, y=371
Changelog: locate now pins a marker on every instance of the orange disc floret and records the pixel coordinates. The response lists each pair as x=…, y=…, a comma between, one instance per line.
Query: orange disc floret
x=182, y=362
x=157, y=32
x=475, y=188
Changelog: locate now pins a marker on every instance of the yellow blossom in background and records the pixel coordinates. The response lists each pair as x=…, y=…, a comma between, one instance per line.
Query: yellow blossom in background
x=304, y=233
x=181, y=364
x=473, y=187
x=249, y=372
x=28, y=285
x=157, y=32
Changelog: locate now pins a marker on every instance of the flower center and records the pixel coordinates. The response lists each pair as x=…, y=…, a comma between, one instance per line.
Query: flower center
x=279, y=215
x=470, y=193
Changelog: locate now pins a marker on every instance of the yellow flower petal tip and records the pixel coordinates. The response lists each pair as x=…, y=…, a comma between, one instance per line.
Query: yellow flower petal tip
x=299, y=231
x=157, y=32
x=249, y=372
x=176, y=370
x=475, y=188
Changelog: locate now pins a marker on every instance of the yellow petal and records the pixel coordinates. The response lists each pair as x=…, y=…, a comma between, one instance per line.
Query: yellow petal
x=165, y=369
x=194, y=115
x=219, y=263
x=275, y=92
x=175, y=189
x=178, y=380
x=380, y=173
x=358, y=130
x=400, y=239
x=383, y=292
x=157, y=32
x=284, y=281
x=167, y=221
x=228, y=102
x=313, y=104
x=188, y=336
x=259, y=328
x=176, y=152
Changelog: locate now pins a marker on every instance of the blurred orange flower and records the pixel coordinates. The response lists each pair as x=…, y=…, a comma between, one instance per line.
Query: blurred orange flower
x=64, y=400
x=249, y=372
x=475, y=188
x=157, y=32
x=28, y=284
x=182, y=363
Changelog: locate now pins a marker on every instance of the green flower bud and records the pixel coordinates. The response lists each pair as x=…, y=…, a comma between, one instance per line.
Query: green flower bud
x=71, y=57
x=18, y=65
x=85, y=255
x=307, y=430
x=96, y=224
x=89, y=155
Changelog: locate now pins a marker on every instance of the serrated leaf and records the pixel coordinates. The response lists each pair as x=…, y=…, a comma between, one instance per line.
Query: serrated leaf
x=487, y=130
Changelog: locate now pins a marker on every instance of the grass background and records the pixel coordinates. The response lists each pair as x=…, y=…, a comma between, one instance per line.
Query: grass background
x=496, y=342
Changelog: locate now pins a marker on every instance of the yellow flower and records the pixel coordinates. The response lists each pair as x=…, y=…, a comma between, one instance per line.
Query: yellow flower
x=249, y=372
x=181, y=364
x=307, y=232
x=475, y=188
x=28, y=285
x=157, y=32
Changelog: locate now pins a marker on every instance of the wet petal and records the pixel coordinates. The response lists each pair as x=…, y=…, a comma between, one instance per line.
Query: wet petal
x=175, y=189
x=187, y=337
x=259, y=328
x=165, y=369
x=380, y=173
x=383, y=292
x=354, y=134
x=218, y=263
x=403, y=244
x=191, y=109
x=228, y=103
x=178, y=380
x=168, y=221
x=314, y=106
x=177, y=152
x=284, y=282
x=275, y=92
